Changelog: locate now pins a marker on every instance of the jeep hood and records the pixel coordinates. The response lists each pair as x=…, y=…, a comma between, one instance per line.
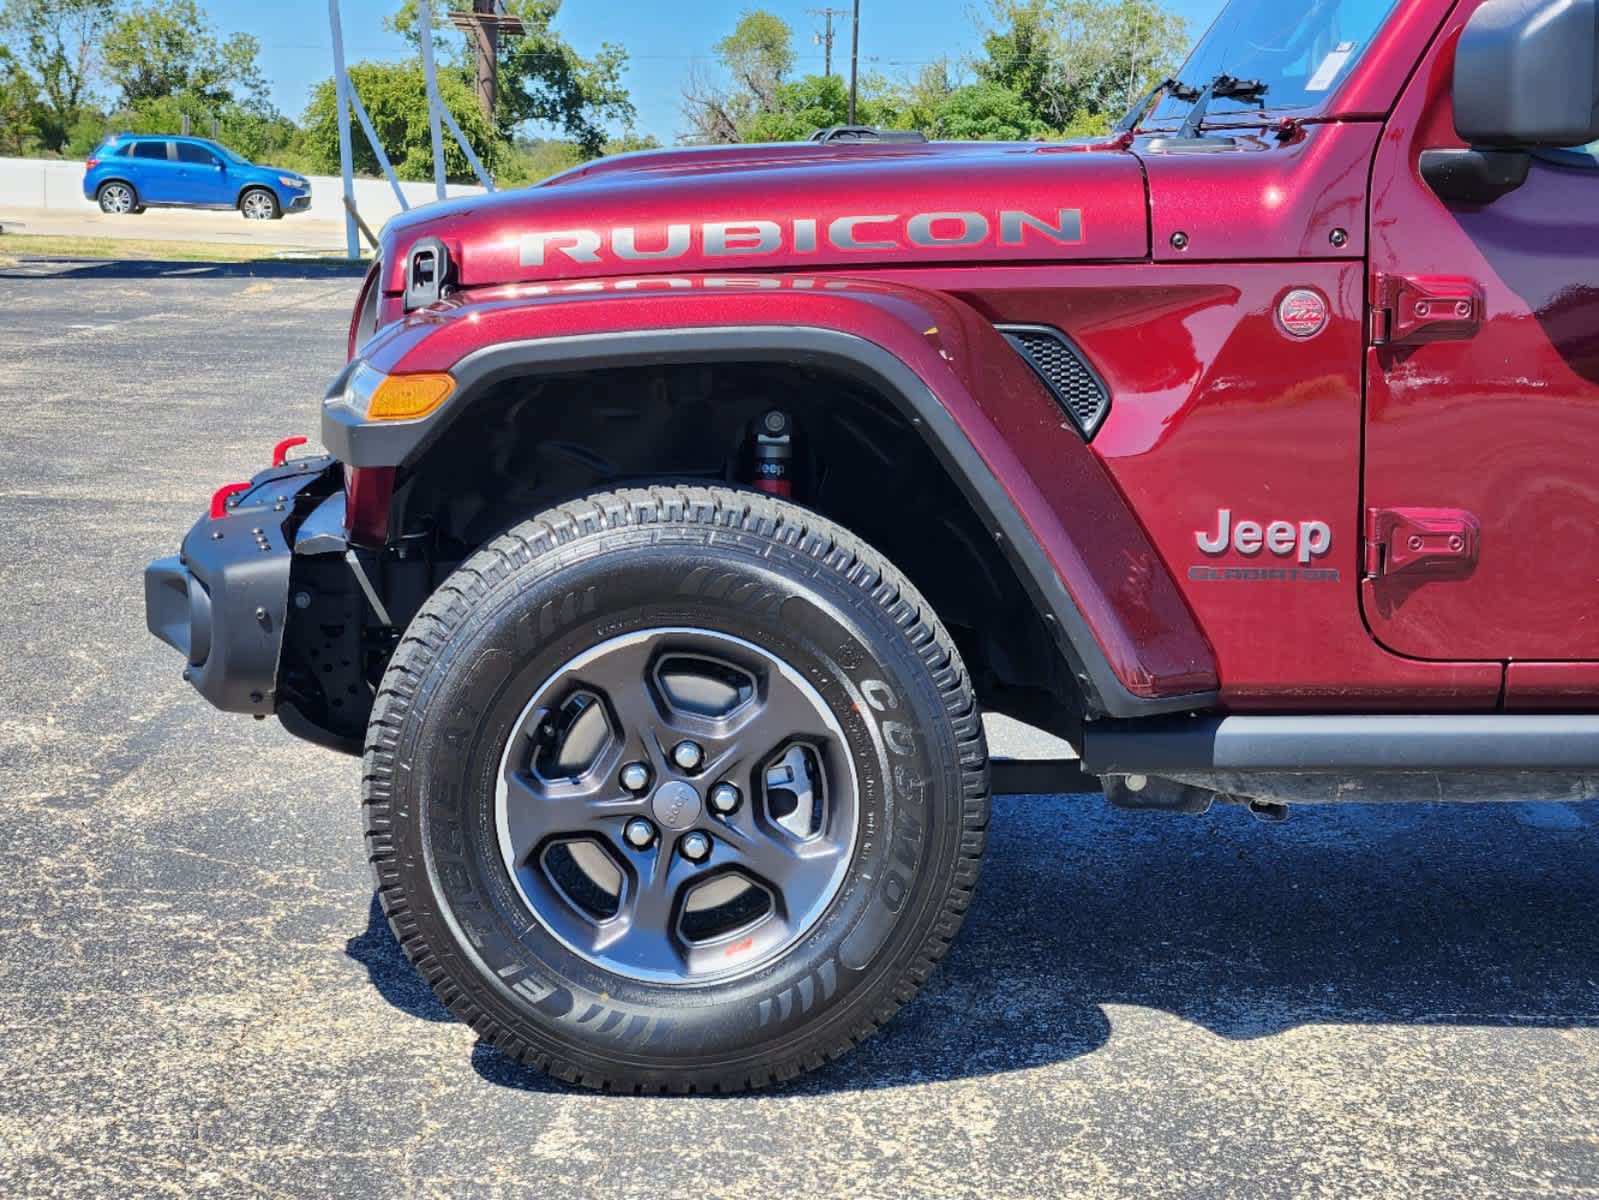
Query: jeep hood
x=798, y=206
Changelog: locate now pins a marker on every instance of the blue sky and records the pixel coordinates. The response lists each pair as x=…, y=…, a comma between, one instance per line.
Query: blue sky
x=664, y=38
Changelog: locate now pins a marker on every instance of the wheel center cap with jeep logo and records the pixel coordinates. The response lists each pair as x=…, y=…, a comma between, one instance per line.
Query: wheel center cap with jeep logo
x=676, y=805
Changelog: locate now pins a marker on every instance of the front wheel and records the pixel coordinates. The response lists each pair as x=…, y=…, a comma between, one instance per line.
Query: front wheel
x=259, y=204
x=675, y=789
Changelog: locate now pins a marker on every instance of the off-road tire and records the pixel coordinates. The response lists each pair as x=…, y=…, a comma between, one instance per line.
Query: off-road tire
x=746, y=565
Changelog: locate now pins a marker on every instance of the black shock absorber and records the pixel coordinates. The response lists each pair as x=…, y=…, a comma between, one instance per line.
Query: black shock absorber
x=774, y=454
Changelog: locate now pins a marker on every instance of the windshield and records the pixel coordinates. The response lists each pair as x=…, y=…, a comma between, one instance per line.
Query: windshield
x=1300, y=49
x=227, y=154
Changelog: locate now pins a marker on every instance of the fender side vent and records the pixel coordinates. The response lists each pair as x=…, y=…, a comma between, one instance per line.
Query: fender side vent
x=1076, y=386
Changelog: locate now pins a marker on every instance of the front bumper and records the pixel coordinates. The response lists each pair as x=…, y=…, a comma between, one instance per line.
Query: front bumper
x=223, y=601
x=298, y=202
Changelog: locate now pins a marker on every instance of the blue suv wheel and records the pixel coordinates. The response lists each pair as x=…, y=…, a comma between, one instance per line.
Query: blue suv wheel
x=118, y=198
x=259, y=204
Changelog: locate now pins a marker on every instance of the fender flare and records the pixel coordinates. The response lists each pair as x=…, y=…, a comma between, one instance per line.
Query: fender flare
x=238, y=198
x=128, y=183
x=1136, y=689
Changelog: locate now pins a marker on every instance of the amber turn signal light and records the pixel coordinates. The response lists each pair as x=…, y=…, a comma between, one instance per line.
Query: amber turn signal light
x=405, y=397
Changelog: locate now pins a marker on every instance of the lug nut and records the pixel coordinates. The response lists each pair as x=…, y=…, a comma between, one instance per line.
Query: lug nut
x=635, y=777
x=724, y=797
x=695, y=846
x=687, y=755
x=639, y=833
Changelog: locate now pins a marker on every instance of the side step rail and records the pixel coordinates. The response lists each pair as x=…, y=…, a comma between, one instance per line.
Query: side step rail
x=1344, y=744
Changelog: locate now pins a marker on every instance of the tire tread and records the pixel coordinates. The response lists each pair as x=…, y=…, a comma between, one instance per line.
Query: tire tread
x=830, y=546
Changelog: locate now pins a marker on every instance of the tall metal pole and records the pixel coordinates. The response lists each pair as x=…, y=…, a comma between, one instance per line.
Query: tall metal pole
x=424, y=16
x=341, y=88
x=854, y=55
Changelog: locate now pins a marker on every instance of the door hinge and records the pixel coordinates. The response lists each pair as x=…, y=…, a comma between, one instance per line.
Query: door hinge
x=1410, y=309
x=1420, y=542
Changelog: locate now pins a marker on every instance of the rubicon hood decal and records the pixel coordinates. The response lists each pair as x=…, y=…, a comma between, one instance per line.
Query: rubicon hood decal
x=1010, y=204
x=867, y=232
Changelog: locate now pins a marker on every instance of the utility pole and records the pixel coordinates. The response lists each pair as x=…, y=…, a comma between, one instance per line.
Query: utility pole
x=854, y=57
x=483, y=26
x=826, y=38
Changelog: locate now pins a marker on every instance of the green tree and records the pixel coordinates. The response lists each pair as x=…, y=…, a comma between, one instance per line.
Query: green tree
x=918, y=104
x=541, y=78
x=394, y=97
x=796, y=110
x=260, y=134
x=1049, y=68
x=168, y=47
x=987, y=111
x=759, y=54
x=19, y=102
x=761, y=103
x=1079, y=64
x=1019, y=55
x=55, y=42
x=532, y=159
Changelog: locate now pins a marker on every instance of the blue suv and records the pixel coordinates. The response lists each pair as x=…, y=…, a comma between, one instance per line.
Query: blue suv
x=129, y=172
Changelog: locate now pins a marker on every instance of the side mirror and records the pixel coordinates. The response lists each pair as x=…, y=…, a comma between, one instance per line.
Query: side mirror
x=1527, y=74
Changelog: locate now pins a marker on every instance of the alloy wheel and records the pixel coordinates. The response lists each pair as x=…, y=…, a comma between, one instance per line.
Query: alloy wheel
x=257, y=206
x=116, y=198
x=677, y=805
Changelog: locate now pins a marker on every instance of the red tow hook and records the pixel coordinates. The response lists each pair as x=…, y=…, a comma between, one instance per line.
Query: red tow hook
x=219, y=498
x=280, y=455
x=280, y=452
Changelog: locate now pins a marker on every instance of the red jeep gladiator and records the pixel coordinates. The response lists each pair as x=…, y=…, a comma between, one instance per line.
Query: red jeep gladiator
x=683, y=514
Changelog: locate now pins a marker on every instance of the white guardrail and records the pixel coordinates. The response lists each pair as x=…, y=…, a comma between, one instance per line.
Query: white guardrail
x=58, y=184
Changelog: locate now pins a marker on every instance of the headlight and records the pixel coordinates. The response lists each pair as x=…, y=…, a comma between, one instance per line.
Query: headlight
x=374, y=396
x=289, y=181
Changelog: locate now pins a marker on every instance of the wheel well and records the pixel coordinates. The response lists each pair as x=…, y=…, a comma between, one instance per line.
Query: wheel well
x=255, y=187
x=528, y=442
x=104, y=183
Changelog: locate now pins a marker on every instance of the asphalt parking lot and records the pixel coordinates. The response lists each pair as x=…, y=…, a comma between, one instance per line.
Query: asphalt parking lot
x=197, y=997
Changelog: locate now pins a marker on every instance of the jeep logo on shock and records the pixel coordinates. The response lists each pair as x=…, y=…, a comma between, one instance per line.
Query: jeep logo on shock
x=1306, y=541
x=803, y=235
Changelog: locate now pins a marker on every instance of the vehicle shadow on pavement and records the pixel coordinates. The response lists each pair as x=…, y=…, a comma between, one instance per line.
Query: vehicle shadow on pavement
x=1401, y=914
x=391, y=972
